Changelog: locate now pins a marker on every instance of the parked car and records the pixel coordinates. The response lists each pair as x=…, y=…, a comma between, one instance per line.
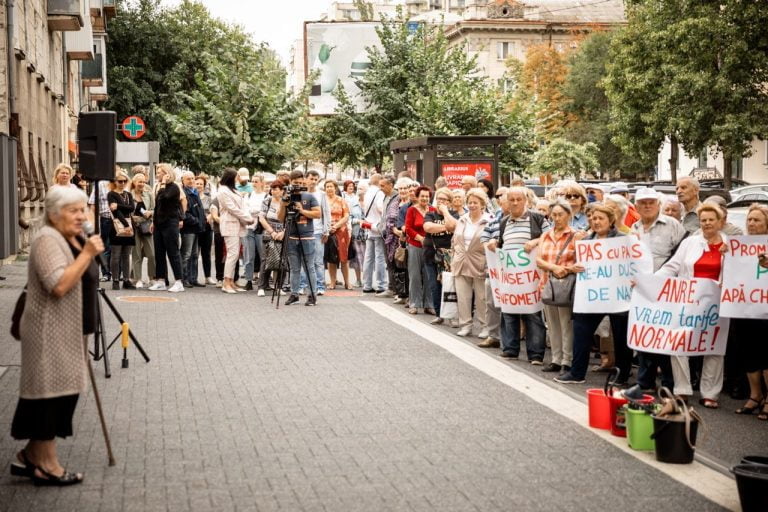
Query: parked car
x=749, y=189
x=737, y=211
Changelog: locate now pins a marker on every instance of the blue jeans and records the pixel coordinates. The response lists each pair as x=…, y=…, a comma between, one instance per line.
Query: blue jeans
x=105, y=226
x=189, y=257
x=436, y=286
x=294, y=260
x=534, y=335
x=249, y=253
x=584, y=326
x=375, y=262
x=319, y=266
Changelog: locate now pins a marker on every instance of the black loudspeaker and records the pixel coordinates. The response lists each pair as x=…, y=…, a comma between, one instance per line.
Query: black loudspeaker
x=96, y=140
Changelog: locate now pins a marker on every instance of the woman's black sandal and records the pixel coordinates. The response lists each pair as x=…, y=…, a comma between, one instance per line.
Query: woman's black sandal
x=763, y=416
x=750, y=410
x=22, y=467
x=59, y=481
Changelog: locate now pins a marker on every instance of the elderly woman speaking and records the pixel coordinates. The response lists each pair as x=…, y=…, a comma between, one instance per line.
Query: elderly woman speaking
x=60, y=310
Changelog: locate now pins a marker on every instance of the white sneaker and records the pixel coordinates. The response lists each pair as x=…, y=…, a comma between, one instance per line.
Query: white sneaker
x=219, y=284
x=464, y=331
x=139, y=284
x=301, y=291
x=483, y=334
x=177, y=287
x=241, y=282
x=321, y=292
x=159, y=286
x=260, y=293
x=212, y=280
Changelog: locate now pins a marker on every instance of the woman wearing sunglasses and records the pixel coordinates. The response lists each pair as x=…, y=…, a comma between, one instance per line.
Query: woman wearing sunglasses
x=121, y=205
x=577, y=199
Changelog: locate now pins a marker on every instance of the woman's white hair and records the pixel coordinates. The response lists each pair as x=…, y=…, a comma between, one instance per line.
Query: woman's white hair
x=621, y=201
x=59, y=197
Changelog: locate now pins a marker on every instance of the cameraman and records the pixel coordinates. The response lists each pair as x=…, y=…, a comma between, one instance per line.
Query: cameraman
x=304, y=207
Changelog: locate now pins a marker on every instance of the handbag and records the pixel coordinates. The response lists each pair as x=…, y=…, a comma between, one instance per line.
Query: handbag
x=272, y=253
x=121, y=229
x=331, y=250
x=559, y=290
x=449, y=305
x=401, y=256
x=18, y=310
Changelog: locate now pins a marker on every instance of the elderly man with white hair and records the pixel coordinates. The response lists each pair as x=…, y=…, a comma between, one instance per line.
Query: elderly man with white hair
x=662, y=235
x=687, y=189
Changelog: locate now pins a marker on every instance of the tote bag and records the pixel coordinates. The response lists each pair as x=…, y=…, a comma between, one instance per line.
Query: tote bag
x=449, y=304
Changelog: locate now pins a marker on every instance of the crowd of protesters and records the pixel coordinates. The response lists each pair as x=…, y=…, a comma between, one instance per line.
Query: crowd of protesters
x=395, y=238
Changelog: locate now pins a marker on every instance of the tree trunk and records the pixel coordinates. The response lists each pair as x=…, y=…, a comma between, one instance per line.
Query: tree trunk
x=727, y=170
x=673, y=158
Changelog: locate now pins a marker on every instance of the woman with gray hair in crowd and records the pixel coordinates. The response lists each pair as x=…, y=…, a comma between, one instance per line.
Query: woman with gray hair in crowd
x=60, y=310
x=620, y=206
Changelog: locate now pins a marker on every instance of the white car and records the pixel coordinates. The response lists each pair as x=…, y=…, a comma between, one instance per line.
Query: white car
x=738, y=193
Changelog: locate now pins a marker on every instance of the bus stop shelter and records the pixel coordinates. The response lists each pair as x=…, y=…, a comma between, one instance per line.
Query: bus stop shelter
x=426, y=158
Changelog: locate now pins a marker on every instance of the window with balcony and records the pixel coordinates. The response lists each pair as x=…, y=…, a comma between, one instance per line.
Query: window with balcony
x=65, y=15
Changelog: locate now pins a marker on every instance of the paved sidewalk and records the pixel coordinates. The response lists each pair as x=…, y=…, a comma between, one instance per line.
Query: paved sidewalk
x=329, y=408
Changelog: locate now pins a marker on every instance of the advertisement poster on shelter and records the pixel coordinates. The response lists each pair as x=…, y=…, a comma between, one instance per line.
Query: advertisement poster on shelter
x=453, y=172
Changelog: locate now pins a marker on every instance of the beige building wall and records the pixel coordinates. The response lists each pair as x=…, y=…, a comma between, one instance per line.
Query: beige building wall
x=754, y=169
x=48, y=95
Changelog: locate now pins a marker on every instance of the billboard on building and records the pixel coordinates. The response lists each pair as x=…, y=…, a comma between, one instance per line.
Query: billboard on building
x=453, y=172
x=337, y=51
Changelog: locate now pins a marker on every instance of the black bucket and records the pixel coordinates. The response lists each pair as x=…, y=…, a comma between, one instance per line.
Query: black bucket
x=752, y=481
x=671, y=443
x=755, y=459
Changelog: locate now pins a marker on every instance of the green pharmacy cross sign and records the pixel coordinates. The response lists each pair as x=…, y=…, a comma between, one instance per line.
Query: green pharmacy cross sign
x=133, y=127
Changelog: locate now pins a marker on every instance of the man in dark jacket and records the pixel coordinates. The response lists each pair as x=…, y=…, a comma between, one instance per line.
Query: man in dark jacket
x=194, y=223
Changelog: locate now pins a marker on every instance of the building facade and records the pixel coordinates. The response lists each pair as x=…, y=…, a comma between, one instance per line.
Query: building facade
x=53, y=68
x=753, y=169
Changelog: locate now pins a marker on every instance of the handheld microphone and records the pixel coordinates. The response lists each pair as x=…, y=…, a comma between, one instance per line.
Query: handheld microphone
x=89, y=230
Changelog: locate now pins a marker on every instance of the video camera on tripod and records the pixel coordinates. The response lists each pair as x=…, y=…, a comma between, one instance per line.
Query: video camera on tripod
x=292, y=195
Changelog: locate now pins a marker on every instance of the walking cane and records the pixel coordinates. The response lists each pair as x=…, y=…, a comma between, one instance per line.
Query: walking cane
x=110, y=456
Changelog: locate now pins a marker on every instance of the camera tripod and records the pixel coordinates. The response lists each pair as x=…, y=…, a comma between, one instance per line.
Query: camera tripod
x=100, y=346
x=289, y=226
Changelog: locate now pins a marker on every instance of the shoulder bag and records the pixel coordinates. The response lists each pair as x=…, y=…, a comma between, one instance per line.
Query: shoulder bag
x=121, y=229
x=559, y=290
x=362, y=234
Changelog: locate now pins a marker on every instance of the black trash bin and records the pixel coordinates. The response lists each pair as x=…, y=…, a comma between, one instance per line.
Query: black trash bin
x=752, y=481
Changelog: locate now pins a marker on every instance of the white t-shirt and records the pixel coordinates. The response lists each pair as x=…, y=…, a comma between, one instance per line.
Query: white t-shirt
x=254, y=201
x=373, y=195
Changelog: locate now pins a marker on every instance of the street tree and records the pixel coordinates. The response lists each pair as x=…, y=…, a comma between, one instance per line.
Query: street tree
x=585, y=101
x=695, y=71
x=564, y=159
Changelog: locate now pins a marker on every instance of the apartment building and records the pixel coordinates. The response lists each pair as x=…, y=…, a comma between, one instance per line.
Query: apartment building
x=53, y=67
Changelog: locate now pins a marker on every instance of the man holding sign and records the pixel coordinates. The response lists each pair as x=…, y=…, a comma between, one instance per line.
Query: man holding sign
x=521, y=228
x=661, y=234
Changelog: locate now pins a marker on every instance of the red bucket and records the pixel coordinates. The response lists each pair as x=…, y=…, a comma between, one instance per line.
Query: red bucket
x=618, y=415
x=598, y=404
x=599, y=409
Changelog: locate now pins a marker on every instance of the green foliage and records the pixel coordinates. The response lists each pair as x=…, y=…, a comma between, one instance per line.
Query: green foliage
x=417, y=85
x=586, y=101
x=209, y=94
x=693, y=70
x=564, y=159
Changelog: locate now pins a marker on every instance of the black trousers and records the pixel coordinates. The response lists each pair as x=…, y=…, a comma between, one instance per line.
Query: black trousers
x=204, y=243
x=166, y=239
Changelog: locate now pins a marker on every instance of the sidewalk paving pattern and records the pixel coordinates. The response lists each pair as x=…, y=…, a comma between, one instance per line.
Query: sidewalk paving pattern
x=329, y=408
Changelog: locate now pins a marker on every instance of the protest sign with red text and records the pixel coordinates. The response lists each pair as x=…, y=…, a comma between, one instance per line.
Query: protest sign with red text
x=609, y=266
x=745, y=282
x=670, y=315
x=514, y=280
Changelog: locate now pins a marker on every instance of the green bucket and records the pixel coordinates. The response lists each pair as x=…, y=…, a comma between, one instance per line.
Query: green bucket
x=639, y=429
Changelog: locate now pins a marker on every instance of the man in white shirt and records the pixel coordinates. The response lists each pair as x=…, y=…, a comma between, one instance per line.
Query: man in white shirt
x=375, y=263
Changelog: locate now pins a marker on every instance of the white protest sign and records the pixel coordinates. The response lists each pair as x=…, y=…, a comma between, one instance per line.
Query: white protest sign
x=669, y=315
x=609, y=266
x=514, y=280
x=745, y=282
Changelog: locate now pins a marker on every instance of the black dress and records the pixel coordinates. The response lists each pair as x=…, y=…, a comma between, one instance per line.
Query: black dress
x=43, y=419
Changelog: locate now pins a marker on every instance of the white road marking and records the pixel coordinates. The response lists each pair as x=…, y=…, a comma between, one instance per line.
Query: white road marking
x=708, y=482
